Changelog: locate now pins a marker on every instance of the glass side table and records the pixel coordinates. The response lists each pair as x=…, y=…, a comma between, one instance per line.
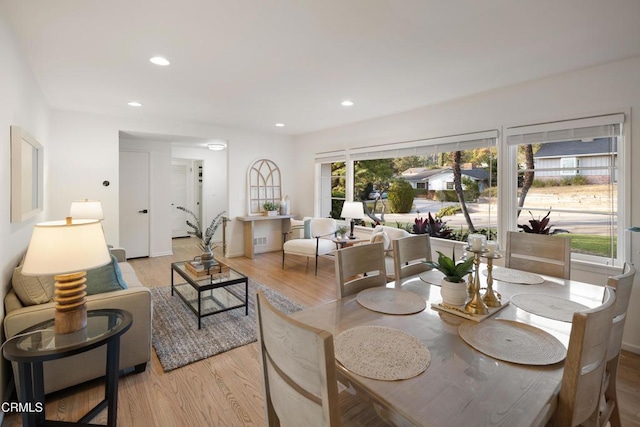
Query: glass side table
x=39, y=344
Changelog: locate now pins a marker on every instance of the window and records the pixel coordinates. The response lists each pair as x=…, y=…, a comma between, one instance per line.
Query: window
x=426, y=164
x=332, y=183
x=570, y=170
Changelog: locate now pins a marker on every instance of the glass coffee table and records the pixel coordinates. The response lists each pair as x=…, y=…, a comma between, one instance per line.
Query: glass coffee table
x=217, y=290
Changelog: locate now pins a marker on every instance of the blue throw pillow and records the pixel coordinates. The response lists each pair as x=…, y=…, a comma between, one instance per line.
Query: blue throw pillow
x=307, y=228
x=107, y=278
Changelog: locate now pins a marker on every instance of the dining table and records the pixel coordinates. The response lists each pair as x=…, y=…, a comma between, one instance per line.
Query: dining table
x=461, y=386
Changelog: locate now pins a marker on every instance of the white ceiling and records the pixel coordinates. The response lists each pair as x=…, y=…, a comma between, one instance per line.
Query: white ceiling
x=250, y=64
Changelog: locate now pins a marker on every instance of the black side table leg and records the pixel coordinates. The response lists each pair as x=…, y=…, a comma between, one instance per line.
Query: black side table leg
x=111, y=381
x=26, y=394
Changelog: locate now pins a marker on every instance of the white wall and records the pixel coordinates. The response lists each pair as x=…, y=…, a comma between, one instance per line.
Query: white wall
x=86, y=149
x=22, y=104
x=605, y=89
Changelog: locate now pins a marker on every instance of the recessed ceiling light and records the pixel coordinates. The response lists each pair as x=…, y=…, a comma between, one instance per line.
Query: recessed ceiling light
x=134, y=104
x=346, y=103
x=159, y=60
x=279, y=125
x=217, y=145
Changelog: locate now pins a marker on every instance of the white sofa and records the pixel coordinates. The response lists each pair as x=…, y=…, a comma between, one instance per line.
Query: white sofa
x=135, y=344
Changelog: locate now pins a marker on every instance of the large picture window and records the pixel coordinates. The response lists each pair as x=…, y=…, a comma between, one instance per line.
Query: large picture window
x=427, y=169
x=570, y=171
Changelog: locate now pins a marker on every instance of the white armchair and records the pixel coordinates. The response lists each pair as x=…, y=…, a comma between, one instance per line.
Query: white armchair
x=315, y=241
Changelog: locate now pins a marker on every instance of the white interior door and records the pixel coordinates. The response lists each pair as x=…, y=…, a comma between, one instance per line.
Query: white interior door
x=134, y=203
x=180, y=197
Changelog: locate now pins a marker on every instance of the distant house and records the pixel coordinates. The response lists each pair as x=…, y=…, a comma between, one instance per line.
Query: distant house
x=591, y=159
x=442, y=178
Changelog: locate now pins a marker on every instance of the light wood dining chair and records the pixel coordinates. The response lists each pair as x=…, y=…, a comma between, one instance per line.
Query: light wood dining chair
x=539, y=253
x=579, y=398
x=622, y=285
x=360, y=267
x=408, y=254
x=299, y=376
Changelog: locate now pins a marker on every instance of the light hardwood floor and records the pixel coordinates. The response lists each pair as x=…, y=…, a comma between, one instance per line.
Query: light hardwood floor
x=226, y=390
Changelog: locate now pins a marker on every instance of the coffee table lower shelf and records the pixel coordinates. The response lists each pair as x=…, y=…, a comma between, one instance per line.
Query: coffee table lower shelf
x=209, y=295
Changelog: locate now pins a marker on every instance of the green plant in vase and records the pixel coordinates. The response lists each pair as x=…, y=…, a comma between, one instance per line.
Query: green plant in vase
x=453, y=288
x=453, y=272
x=342, y=231
x=271, y=206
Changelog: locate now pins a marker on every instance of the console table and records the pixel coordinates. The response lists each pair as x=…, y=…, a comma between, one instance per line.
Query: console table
x=249, y=229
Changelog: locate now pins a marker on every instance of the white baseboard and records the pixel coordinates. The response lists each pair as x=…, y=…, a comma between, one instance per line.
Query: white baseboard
x=632, y=348
x=155, y=254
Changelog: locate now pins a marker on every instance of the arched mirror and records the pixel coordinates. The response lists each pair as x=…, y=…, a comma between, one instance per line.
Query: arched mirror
x=265, y=185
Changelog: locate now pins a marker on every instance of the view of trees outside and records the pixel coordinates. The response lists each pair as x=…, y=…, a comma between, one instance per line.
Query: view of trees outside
x=459, y=189
x=373, y=181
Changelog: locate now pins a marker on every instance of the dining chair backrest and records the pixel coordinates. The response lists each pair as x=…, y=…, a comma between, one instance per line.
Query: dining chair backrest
x=584, y=366
x=622, y=284
x=298, y=370
x=408, y=252
x=539, y=253
x=360, y=267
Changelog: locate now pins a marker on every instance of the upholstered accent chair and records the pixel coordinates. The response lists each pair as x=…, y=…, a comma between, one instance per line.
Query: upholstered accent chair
x=316, y=239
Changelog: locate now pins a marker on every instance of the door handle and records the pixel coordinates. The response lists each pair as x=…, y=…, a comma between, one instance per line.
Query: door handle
x=143, y=211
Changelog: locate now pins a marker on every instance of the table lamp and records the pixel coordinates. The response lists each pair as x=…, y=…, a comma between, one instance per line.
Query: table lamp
x=352, y=210
x=66, y=249
x=86, y=209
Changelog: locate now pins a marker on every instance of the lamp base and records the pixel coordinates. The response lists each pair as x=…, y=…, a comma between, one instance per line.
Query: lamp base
x=71, y=304
x=353, y=224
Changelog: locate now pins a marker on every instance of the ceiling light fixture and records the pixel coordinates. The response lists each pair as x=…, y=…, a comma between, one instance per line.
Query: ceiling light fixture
x=134, y=104
x=346, y=103
x=159, y=60
x=217, y=146
x=279, y=125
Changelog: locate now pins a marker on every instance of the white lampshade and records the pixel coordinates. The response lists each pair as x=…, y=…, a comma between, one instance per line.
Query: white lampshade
x=86, y=209
x=59, y=247
x=352, y=210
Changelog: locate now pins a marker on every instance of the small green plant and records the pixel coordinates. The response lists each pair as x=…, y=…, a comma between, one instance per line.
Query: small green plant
x=271, y=206
x=452, y=272
x=342, y=230
x=448, y=211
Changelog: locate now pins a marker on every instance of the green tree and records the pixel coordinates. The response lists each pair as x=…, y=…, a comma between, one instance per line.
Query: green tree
x=401, y=196
x=457, y=186
x=377, y=172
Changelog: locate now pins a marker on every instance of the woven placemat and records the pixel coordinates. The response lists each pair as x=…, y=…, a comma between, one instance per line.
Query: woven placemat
x=515, y=276
x=381, y=353
x=391, y=301
x=513, y=342
x=548, y=306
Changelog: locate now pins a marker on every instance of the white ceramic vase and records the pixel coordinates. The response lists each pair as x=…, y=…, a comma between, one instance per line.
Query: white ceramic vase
x=453, y=293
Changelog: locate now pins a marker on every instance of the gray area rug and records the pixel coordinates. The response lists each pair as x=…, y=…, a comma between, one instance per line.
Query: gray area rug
x=177, y=339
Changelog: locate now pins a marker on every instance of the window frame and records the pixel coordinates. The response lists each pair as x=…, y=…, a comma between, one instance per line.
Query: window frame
x=508, y=171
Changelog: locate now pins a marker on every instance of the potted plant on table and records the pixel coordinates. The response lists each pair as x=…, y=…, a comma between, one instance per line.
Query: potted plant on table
x=342, y=232
x=272, y=208
x=453, y=287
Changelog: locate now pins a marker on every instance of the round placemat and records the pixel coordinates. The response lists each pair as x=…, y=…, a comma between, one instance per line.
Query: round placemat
x=391, y=301
x=381, y=353
x=548, y=306
x=515, y=276
x=513, y=342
